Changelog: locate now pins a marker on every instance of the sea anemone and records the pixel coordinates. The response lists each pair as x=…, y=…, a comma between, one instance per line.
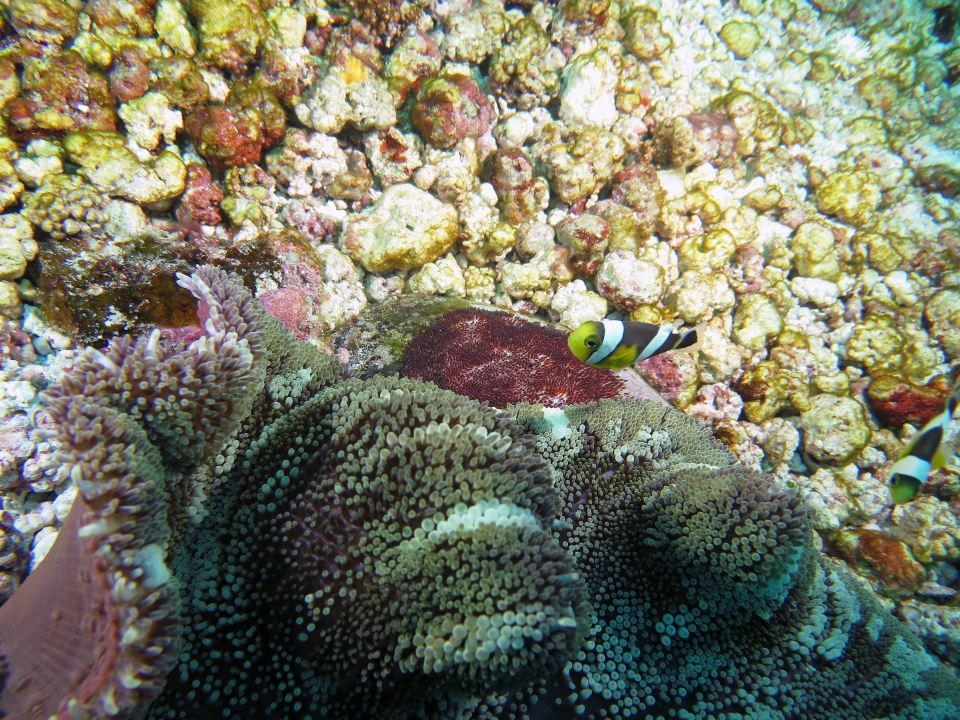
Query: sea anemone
x=503, y=359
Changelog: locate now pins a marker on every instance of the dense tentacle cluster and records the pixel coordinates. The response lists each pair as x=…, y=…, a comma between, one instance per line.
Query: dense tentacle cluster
x=708, y=600
x=135, y=422
x=502, y=358
x=255, y=539
x=388, y=554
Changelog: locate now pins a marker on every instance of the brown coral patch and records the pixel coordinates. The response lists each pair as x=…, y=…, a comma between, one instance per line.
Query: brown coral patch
x=503, y=359
x=98, y=295
x=887, y=559
x=60, y=94
x=896, y=400
x=226, y=136
x=200, y=202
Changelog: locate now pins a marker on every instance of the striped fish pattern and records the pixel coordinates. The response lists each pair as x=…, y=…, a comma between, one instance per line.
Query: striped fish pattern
x=616, y=344
x=924, y=454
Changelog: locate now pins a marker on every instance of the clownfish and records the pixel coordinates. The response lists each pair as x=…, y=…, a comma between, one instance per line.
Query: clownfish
x=924, y=454
x=616, y=344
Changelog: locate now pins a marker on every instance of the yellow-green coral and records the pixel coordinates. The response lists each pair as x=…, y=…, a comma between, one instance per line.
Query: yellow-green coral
x=111, y=167
x=852, y=197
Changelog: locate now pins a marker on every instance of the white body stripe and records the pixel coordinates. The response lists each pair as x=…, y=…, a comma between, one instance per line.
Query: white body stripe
x=659, y=339
x=911, y=466
x=612, y=335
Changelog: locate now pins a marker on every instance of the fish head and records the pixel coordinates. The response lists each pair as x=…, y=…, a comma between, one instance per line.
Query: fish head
x=904, y=489
x=585, y=340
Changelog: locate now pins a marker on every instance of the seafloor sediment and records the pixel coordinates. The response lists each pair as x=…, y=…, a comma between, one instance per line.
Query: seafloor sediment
x=786, y=171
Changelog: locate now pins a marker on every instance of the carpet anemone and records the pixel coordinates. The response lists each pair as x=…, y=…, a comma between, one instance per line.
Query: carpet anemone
x=257, y=537
x=708, y=598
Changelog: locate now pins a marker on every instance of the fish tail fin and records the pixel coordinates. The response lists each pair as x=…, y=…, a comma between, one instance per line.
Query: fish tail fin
x=695, y=334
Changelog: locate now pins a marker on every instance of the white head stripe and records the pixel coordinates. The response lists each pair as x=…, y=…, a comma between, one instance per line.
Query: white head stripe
x=911, y=466
x=658, y=340
x=612, y=335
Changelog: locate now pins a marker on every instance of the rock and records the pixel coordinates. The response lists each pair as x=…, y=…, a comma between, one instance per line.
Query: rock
x=896, y=400
x=449, y=108
x=351, y=91
x=473, y=33
x=525, y=67
x=17, y=246
x=835, y=429
x=716, y=403
x=814, y=291
x=587, y=237
x=533, y=238
x=112, y=168
x=815, y=251
x=40, y=517
x=781, y=442
x=637, y=188
x=393, y=155
x=675, y=376
x=405, y=229
x=756, y=322
x=50, y=87
x=39, y=159
x=580, y=163
x=49, y=21
x=937, y=625
x=826, y=500
x=886, y=560
x=150, y=118
x=943, y=314
x=644, y=35
x=851, y=196
x=521, y=193
x=588, y=95
x=444, y=277
x=173, y=28
x=930, y=527
x=230, y=31
x=719, y=358
x=343, y=297
x=698, y=297
x=707, y=253
x=742, y=38
x=833, y=6
x=628, y=282
x=576, y=305
x=42, y=542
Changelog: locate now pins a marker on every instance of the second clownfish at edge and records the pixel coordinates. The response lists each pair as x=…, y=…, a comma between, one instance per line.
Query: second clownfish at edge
x=616, y=344
x=924, y=454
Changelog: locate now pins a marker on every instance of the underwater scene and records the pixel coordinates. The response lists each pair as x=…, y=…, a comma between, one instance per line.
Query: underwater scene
x=479, y=360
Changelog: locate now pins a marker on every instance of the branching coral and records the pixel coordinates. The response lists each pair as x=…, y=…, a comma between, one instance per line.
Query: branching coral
x=708, y=599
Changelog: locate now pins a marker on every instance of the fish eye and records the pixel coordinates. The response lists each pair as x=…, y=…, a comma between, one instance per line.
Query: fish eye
x=592, y=344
